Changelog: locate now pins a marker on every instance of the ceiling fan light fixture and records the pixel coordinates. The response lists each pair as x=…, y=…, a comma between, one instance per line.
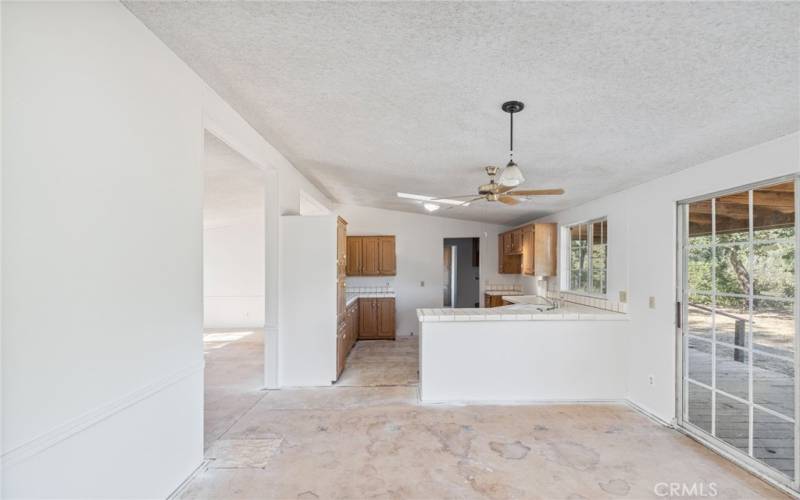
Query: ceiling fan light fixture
x=511, y=176
x=431, y=207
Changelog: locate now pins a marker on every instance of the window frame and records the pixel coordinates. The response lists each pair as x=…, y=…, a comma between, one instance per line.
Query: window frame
x=586, y=290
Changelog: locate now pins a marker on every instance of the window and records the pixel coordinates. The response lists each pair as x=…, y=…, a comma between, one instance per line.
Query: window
x=739, y=321
x=588, y=256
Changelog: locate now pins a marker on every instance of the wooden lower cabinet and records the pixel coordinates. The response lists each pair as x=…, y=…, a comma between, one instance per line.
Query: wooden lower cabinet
x=492, y=300
x=346, y=336
x=341, y=348
x=376, y=318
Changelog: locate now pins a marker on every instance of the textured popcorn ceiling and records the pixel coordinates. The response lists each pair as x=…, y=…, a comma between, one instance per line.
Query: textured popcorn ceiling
x=368, y=99
x=234, y=187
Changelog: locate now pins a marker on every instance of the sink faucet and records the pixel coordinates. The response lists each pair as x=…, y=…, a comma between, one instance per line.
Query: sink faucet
x=553, y=304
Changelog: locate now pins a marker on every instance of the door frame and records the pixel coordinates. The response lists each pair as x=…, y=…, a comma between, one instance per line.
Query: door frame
x=789, y=485
x=225, y=132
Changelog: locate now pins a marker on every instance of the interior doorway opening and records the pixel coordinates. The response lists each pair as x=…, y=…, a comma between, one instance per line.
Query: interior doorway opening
x=461, y=267
x=234, y=259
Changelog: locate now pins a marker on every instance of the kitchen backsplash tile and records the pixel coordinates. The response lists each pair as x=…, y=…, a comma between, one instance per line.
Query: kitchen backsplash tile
x=597, y=302
x=494, y=287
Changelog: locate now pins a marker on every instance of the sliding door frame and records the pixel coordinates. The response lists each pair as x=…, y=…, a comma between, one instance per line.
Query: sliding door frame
x=791, y=485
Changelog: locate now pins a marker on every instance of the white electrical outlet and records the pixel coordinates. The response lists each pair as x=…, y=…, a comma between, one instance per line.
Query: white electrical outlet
x=652, y=302
x=651, y=379
x=421, y=283
x=623, y=296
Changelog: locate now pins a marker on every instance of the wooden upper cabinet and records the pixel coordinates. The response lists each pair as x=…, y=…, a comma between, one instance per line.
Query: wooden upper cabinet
x=509, y=260
x=370, y=264
x=371, y=256
x=387, y=262
x=508, y=243
x=341, y=262
x=500, y=252
x=516, y=241
x=353, y=255
x=528, y=249
x=545, y=253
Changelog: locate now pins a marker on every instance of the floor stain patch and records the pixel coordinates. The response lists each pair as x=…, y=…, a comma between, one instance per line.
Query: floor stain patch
x=455, y=439
x=574, y=455
x=242, y=453
x=618, y=487
x=510, y=451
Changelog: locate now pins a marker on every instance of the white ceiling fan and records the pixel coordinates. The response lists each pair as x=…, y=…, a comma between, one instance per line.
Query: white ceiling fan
x=500, y=190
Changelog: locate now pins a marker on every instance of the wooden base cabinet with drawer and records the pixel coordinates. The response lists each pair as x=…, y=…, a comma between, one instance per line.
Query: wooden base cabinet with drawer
x=346, y=336
x=492, y=300
x=376, y=318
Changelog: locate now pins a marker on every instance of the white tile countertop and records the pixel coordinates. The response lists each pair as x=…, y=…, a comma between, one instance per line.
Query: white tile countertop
x=524, y=308
x=353, y=296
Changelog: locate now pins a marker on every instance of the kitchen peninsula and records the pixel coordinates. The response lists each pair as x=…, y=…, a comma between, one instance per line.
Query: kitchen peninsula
x=524, y=352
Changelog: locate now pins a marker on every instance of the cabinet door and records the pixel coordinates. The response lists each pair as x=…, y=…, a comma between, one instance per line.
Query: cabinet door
x=387, y=262
x=367, y=318
x=516, y=241
x=341, y=300
x=500, y=253
x=527, y=249
x=369, y=256
x=545, y=254
x=354, y=255
x=356, y=320
x=386, y=318
x=341, y=349
x=508, y=242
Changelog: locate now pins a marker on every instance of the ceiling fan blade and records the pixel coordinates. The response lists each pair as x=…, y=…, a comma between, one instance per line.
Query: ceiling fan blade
x=479, y=198
x=536, y=192
x=503, y=189
x=453, y=197
x=508, y=200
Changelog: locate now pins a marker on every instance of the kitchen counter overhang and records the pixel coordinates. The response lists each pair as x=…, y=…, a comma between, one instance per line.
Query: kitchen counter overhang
x=523, y=308
x=520, y=353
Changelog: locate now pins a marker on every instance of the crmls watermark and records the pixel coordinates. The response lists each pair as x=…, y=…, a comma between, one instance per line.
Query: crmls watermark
x=686, y=489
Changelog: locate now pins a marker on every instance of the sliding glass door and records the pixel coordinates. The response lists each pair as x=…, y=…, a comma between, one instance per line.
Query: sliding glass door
x=738, y=324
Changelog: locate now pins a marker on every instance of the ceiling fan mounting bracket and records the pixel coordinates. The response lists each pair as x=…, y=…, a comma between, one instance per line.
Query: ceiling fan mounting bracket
x=512, y=106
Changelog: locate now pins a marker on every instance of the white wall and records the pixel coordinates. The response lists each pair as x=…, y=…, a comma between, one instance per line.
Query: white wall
x=308, y=314
x=101, y=286
x=233, y=274
x=642, y=255
x=419, y=247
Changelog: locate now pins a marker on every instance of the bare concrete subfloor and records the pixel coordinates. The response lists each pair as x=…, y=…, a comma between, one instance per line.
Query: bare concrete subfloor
x=368, y=437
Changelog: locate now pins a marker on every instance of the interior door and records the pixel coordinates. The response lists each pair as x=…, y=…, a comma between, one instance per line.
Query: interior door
x=737, y=324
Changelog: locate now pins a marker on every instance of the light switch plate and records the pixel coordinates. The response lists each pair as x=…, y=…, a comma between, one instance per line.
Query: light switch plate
x=623, y=296
x=652, y=302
